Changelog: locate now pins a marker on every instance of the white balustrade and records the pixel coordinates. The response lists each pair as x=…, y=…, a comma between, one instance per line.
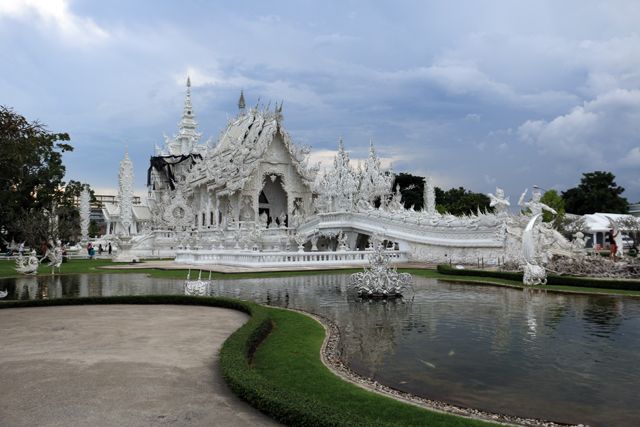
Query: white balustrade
x=280, y=259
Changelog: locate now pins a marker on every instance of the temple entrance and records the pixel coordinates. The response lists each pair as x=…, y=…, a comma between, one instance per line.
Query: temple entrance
x=273, y=201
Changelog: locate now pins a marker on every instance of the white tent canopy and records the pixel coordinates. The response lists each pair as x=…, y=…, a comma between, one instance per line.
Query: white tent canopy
x=603, y=221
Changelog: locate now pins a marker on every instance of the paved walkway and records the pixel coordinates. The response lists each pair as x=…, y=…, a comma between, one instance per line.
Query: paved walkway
x=118, y=365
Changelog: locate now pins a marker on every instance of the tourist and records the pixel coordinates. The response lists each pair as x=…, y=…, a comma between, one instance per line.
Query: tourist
x=90, y=250
x=109, y=248
x=21, y=248
x=613, y=247
x=100, y=249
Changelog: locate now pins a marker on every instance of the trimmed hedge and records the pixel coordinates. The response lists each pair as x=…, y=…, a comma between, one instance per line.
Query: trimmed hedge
x=552, y=279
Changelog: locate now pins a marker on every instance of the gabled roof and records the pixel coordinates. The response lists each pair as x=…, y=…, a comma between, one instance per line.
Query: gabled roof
x=241, y=145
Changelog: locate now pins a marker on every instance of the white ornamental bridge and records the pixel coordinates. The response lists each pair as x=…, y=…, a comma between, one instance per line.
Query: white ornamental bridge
x=418, y=238
x=410, y=230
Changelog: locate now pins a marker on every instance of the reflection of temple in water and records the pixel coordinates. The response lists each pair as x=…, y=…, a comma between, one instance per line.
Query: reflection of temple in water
x=370, y=332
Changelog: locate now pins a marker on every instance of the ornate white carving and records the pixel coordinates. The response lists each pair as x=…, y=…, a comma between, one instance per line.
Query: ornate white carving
x=125, y=193
x=374, y=182
x=339, y=184
x=85, y=213
x=27, y=265
x=381, y=279
x=429, y=196
x=178, y=214
x=54, y=254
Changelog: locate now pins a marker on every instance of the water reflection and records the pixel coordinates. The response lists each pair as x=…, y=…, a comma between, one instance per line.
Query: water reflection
x=570, y=358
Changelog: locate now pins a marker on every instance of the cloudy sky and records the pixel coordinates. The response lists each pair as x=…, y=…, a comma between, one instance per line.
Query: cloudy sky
x=476, y=94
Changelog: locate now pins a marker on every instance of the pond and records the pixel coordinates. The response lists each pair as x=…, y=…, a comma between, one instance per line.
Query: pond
x=567, y=358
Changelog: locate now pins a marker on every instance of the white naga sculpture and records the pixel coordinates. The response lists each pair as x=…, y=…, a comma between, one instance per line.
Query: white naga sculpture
x=534, y=273
x=85, y=212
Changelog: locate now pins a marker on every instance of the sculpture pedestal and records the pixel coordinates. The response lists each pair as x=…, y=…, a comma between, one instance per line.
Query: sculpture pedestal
x=124, y=250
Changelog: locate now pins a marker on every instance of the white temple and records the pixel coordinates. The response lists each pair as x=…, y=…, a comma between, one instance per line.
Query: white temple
x=252, y=199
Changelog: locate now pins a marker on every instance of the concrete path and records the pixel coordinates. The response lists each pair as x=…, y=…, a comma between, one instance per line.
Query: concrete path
x=118, y=365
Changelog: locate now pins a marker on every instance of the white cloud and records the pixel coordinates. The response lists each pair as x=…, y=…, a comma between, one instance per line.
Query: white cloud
x=632, y=158
x=54, y=14
x=333, y=38
x=597, y=132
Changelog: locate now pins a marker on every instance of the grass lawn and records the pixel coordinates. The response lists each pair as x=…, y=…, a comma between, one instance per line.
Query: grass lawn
x=288, y=358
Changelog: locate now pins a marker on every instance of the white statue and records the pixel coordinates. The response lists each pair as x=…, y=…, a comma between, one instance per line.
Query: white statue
x=579, y=243
x=499, y=202
x=342, y=242
x=55, y=255
x=282, y=219
x=534, y=274
x=263, y=220
x=300, y=241
x=534, y=205
x=27, y=265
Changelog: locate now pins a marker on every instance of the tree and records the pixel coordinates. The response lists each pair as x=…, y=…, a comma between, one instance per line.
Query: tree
x=597, y=192
x=552, y=199
x=67, y=211
x=459, y=201
x=411, y=188
x=31, y=176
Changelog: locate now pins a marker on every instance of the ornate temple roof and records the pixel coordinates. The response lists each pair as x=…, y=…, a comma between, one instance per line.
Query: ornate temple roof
x=229, y=164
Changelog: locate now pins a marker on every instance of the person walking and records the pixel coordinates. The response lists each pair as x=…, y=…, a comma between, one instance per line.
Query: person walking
x=613, y=246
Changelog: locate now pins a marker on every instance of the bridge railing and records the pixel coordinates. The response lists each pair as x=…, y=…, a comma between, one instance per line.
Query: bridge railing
x=280, y=259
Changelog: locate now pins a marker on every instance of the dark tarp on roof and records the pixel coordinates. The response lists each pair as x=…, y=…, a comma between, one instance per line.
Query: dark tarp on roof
x=164, y=165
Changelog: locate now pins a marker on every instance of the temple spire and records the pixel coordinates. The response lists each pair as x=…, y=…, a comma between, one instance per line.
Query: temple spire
x=241, y=103
x=188, y=122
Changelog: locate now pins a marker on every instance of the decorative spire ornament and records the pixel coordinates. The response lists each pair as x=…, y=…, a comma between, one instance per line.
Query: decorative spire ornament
x=241, y=103
x=375, y=182
x=125, y=192
x=188, y=124
x=429, y=196
x=85, y=213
